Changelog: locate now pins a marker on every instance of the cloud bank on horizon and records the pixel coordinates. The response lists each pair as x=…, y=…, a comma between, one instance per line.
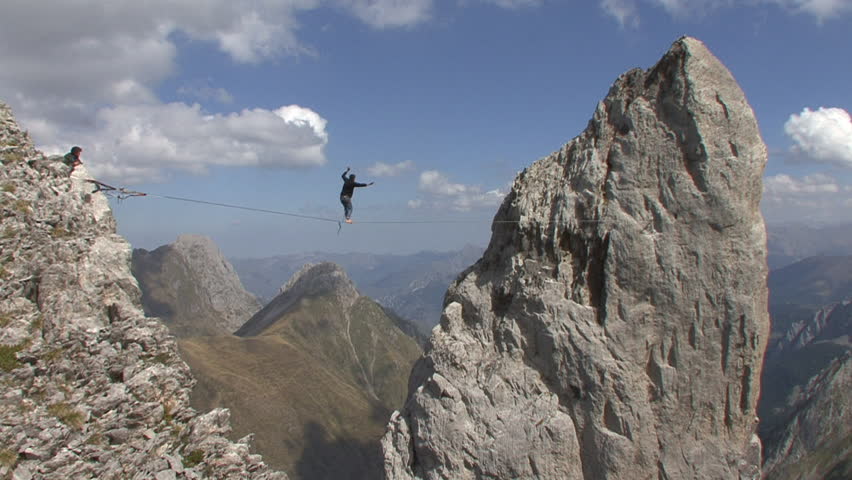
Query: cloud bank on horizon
x=123, y=50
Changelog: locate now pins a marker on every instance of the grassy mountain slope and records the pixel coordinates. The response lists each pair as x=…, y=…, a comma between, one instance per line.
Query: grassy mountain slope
x=315, y=375
x=307, y=417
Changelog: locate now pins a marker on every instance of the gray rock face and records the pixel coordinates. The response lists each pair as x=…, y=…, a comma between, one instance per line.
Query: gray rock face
x=218, y=279
x=89, y=386
x=615, y=326
x=193, y=287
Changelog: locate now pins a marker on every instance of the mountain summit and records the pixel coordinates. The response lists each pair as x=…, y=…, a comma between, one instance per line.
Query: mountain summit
x=616, y=324
x=313, y=280
x=192, y=287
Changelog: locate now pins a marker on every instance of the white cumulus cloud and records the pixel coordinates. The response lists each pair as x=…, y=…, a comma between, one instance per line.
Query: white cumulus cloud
x=145, y=142
x=381, y=169
x=626, y=12
x=514, y=4
x=821, y=9
x=203, y=90
x=823, y=135
x=390, y=13
x=783, y=185
x=88, y=73
x=439, y=192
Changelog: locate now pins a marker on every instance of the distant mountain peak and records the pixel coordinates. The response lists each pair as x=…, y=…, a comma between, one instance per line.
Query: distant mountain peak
x=193, y=287
x=193, y=240
x=323, y=279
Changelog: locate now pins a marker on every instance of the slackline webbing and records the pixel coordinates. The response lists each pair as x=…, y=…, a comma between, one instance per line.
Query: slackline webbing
x=123, y=193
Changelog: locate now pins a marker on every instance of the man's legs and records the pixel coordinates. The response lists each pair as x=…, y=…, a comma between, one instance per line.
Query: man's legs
x=347, y=206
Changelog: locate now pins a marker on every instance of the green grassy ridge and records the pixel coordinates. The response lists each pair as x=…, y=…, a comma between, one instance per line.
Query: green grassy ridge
x=390, y=358
x=304, y=389
x=275, y=390
x=318, y=326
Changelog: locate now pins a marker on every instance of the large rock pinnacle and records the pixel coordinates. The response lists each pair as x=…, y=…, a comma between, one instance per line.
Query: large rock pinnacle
x=615, y=326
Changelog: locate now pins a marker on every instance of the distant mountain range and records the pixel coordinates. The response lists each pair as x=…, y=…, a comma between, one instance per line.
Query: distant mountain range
x=805, y=408
x=798, y=291
x=413, y=286
x=789, y=243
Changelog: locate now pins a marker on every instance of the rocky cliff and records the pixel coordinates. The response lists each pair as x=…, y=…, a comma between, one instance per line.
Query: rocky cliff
x=615, y=326
x=89, y=386
x=193, y=288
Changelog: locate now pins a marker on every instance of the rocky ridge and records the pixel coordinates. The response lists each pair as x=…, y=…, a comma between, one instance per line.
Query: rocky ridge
x=805, y=409
x=91, y=388
x=192, y=287
x=615, y=326
x=831, y=322
x=413, y=286
x=311, y=280
x=815, y=440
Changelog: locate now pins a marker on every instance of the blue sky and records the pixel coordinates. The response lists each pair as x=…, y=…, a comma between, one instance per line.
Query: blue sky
x=441, y=103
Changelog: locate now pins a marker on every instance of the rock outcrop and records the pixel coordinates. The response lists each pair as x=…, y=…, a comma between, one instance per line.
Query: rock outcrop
x=193, y=288
x=89, y=386
x=615, y=326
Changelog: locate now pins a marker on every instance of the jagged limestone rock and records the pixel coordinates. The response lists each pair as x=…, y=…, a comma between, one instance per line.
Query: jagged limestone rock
x=615, y=326
x=193, y=288
x=90, y=388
